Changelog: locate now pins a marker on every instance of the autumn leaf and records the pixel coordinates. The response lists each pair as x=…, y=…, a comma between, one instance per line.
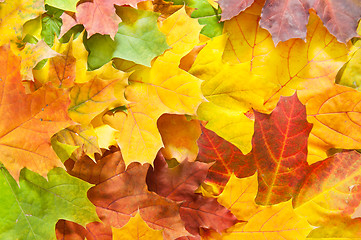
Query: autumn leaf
x=334, y=115
x=51, y=24
x=263, y=222
x=232, y=8
x=120, y=192
x=13, y=16
x=164, y=88
x=312, y=65
x=332, y=184
x=104, y=90
x=137, y=229
x=226, y=158
x=61, y=69
x=67, y=230
x=103, y=19
x=280, y=150
x=139, y=28
x=35, y=117
x=179, y=137
x=31, y=55
x=24, y=214
x=82, y=136
x=206, y=213
x=207, y=15
x=252, y=47
x=350, y=72
x=179, y=184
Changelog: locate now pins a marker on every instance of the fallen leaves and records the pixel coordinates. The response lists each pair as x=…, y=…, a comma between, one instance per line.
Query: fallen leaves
x=184, y=126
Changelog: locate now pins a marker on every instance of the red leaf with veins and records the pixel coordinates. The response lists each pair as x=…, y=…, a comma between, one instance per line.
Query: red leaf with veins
x=227, y=158
x=178, y=183
x=280, y=150
x=119, y=194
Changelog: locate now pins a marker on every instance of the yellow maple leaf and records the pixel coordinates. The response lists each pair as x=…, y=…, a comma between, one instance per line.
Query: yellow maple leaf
x=163, y=88
x=69, y=67
x=263, y=222
x=137, y=229
x=247, y=42
x=105, y=90
x=13, y=14
x=31, y=55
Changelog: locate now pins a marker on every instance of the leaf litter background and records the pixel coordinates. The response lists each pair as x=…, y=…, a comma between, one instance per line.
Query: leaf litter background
x=184, y=119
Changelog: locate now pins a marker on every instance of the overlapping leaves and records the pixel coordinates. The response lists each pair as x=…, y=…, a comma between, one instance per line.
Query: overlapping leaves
x=183, y=126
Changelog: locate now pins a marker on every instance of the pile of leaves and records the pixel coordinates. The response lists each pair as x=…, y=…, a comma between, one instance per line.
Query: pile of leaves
x=183, y=119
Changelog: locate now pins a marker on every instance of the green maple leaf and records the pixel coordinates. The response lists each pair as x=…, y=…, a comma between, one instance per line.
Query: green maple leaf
x=32, y=210
x=138, y=39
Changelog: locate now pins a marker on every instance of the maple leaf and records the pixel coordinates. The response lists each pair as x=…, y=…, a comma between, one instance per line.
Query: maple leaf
x=103, y=20
x=67, y=230
x=232, y=8
x=179, y=137
x=334, y=114
x=81, y=136
x=179, y=184
x=69, y=67
x=227, y=158
x=35, y=117
x=332, y=184
x=104, y=90
x=31, y=55
x=119, y=193
x=14, y=14
x=137, y=39
x=50, y=24
x=24, y=214
x=164, y=88
x=287, y=19
x=207, y=65
x=280, y=150
x=137, y=229
x=207, y=15
x=262, y=222
x=60, y=70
